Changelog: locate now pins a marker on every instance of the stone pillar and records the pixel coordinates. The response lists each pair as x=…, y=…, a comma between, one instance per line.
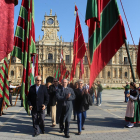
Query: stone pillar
x=76, y=75
x=16, y=71
x=133, y=57
x=117, y=71
x=111, y=72
x=43, y=73
x=128, y=74
x=43, y=54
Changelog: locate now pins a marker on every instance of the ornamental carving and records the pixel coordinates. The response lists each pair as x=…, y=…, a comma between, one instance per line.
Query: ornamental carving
x=49, y=34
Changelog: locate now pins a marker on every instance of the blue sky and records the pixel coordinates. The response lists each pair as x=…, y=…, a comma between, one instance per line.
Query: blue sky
x=65, y=14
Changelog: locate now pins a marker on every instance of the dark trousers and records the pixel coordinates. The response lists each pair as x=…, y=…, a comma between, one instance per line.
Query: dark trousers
x=67, y=123
x=1, y=101
x=38, y=120
x=10, y=98
x=81, y=116
x=48, y=109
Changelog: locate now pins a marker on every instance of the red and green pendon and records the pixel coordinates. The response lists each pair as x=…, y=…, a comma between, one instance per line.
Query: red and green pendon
x=24, y=45
x=106, y=33
x=4, y=84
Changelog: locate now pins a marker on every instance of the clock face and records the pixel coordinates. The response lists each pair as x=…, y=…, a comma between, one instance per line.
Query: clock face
x=50, y=21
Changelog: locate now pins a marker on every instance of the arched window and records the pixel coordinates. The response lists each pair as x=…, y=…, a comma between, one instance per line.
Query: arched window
x=50, y=56
x=12, y=73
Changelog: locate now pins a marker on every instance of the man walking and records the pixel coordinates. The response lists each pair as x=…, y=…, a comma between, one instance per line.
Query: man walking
x=38, y=99
x=99, y=93
x=52, y=92
x=64, y=107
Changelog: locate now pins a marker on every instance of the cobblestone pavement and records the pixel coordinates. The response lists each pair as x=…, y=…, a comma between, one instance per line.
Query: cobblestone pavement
x=103, y=123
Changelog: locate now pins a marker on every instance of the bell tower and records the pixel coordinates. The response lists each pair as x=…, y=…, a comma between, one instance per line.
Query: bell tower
x=50, y=26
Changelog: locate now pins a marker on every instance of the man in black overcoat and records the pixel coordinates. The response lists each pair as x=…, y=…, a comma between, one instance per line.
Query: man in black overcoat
x=38, y=99
x=64, y=107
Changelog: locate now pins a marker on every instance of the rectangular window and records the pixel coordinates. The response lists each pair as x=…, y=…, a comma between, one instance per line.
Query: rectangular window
x=108, y=73
x=125, y=60
x=86, y=60
x=125, y=74
x=67, y=59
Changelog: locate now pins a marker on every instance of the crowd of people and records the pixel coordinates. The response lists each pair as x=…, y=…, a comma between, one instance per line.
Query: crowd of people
x=61, y=99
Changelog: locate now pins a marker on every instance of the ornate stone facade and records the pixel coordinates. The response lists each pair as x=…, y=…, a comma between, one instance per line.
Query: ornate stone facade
x=49, y=48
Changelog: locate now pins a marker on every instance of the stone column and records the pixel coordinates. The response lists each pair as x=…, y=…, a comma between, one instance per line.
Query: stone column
x=117, y=72
x=43, y=54
x=111, y=74
x=43, y=73
x=16, y=71
x=133, y=57
x=76, y=75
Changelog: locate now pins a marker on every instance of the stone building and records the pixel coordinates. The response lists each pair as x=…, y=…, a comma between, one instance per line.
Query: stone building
x=49, y=47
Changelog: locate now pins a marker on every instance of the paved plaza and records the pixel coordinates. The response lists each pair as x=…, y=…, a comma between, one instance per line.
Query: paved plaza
x=103, y=123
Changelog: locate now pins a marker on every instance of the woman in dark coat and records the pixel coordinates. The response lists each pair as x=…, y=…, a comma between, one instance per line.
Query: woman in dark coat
x=81, y=105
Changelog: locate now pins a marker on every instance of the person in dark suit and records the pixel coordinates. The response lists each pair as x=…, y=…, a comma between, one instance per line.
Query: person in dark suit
x=52, y=92
x=38, y=99
x=65, y=96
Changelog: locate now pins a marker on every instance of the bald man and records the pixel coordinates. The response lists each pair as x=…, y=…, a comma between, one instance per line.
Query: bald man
x=38, y=99
x=64, y=96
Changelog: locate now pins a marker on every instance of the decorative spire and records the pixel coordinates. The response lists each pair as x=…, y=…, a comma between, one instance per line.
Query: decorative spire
x=45, y=14
x=61, y=37
x=50, y=12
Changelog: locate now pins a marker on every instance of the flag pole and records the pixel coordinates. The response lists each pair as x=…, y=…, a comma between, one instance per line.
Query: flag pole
x=127, y=50
x=88, y=54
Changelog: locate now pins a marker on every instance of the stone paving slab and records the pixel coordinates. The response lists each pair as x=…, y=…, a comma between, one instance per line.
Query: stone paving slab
x=103, y=123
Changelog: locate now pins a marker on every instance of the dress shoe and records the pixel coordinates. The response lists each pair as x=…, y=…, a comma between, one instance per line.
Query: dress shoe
x=35, y=135
x=61, y=131
x=79, y=133
x=43, y=132
x=83, y=128
x=67, y=135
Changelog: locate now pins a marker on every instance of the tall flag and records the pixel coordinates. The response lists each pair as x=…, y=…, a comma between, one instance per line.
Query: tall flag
x=66, y=74
x=106, y=33
x=79, y=47
x=4, y=84
x=81, y=69
x=24, y=45
x=6, y=27
x=62, y=67
x=138, y=61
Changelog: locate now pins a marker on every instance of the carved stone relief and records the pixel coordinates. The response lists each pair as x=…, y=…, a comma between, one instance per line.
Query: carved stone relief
x=49, y=34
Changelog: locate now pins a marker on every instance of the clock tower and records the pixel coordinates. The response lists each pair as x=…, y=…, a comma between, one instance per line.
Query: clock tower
x=50, y=26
